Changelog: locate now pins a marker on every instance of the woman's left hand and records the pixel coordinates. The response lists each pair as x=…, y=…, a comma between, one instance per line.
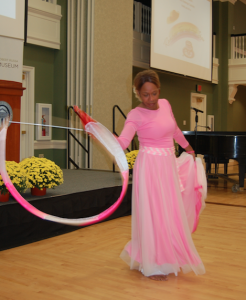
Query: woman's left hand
x=190, y=151
x=194, y=156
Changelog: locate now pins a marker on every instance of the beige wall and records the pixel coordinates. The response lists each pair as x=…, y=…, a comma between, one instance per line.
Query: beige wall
x=112, y=72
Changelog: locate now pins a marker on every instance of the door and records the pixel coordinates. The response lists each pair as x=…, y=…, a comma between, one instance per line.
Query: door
x=27, y=114
x=198, y=101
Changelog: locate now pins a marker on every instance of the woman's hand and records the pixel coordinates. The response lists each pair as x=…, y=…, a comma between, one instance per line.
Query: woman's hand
x=190, y=151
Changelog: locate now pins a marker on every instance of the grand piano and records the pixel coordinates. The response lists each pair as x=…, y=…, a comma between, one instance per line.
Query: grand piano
x=220, y=146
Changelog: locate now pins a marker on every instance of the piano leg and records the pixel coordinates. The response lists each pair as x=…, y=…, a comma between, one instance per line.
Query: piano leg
x=225, y=168
x=216, y=165
x=208, y=167
x=241, y=174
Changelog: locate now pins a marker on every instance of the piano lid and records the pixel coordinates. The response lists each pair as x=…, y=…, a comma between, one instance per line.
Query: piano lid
x=216, y=133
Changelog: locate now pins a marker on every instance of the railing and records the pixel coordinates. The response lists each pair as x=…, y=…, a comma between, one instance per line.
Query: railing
x=133, y=144
x=70, y=134
x=238, y=46
x=141, y=18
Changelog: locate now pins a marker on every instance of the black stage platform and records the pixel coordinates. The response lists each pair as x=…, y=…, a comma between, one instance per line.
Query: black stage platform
x=84, y=193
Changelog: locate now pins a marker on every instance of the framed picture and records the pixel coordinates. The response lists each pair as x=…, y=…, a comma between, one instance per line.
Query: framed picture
x=210, y=122
x=44, y=118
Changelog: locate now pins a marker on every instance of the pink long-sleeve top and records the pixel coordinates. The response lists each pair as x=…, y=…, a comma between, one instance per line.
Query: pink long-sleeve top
x=155, y=128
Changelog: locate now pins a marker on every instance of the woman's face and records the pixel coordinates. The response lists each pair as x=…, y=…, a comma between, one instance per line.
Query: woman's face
x=149, y=94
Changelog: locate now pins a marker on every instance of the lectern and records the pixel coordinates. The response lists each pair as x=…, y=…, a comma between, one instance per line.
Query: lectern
x=11, y=92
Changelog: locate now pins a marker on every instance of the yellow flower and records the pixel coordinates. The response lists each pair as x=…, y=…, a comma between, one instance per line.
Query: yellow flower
x=17, y=176
x=42, y=173
x=131, y=157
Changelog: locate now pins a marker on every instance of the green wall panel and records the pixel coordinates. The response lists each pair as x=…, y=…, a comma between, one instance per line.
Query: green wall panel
x=56, y=155
x=51, y=84
x=239, y=18
x=43, y=60
x=51, y=74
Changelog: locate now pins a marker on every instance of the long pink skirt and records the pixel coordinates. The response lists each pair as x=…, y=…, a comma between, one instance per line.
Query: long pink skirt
x=167, y=198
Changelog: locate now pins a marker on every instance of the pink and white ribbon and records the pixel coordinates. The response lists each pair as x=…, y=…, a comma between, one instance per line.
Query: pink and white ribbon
x=112, y=145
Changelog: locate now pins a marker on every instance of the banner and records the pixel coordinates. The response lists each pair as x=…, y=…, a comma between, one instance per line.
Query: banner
x=11, y=59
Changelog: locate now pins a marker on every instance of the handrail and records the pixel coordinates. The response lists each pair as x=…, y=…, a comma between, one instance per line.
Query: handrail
x=69, y=133
x=114, y=132
x=238, y=42
x=242, y=34
x=133, y=144
x=116, y=106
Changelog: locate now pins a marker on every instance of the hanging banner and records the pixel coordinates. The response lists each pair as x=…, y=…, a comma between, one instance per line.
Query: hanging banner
x=11, y=59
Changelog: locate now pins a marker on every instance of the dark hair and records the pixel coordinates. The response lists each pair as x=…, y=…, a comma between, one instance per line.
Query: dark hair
x=146, y=76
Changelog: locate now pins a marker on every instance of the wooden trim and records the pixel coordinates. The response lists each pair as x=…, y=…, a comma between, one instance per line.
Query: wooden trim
x=30, y=98
x=11, y=88
x=53, y=144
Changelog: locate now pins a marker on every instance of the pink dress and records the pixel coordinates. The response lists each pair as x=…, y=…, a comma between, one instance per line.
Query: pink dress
x=167, y=197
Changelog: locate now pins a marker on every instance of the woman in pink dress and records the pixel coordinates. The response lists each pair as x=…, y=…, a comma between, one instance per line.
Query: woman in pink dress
x=168, y=192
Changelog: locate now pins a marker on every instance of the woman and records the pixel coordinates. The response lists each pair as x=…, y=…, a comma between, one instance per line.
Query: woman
x=165, y=199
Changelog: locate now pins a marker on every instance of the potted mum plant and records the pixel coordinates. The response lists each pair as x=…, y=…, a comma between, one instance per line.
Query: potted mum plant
x=18, y=178
x=131, y=157
x=41, y=173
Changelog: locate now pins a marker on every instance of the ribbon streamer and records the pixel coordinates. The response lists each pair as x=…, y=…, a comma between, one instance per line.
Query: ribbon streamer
x=43, y=125
x=111, y=144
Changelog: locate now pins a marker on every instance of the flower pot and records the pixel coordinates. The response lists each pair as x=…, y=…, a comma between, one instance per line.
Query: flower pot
x=4, y=198
x=37, y=192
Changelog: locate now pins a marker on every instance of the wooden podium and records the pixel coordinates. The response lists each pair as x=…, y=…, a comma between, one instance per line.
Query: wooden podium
x=11, y=92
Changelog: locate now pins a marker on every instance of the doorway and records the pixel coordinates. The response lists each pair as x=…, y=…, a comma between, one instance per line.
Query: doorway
x=27, y=113
x=198, y=101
